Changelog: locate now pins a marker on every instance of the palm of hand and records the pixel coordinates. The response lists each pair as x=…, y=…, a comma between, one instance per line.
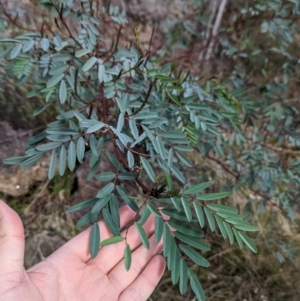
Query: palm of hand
x=70, y=275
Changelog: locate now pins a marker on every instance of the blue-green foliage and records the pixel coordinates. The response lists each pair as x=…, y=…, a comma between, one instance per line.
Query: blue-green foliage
x=157, y=118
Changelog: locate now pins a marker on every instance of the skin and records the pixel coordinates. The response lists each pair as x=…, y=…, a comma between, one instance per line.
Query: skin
x=70, y=273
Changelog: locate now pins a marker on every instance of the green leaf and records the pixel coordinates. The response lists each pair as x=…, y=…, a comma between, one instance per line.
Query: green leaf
x=80, y=149
x=176, y=202
x=238, y=238
x=39, y=110
x=197, y=188
x=61, y=131
x=176, y=266
x=171, y=254
x=144, y=216
x=94, y=240
x=101, y=73
x=48, y=146
x=248, y=242
x=236, y=220
x=120, y=123
x=95, y=127
x=89, y=64
x=169, y=179
x=126, y=176
x=58, y=69
x=94, y=168
x=183, y=159
x=213, y=196
x=229, y=232
x=183, y=279
x=121, y=104
x=16, y=50
x=221, y=226
x=175, y=214
x=248, y=228
x=143, y=235
x=87, y=218
x=105, y=176
x=153, y=209
x=93, y=144
x=192, y=241
x=170, y=157
x=45, y=44
x=114, y=210
x=223, y=209
x=62, y=92
x=184, y=148
x=133, y=128
x=200, y=214
x=30, y=160
x=111, y=240
x=28, y=45
x=115, y=231
x=127, y=199
x=148, y=169
x=127, y=257
x=185, y=228
x=107, y=189
x=194, y=256
x=52, y=165
x=114, y=161
x=71, y=156
x=196, y=286
x=100, y=204
x=178, y=174
x=59, y=138
x=166, y=239
x=55, y=80
x=159, y=226
x=62, y=160
x=82, y=52
x=210, y=218
x=187, y=209
x=172, y=135
x=130, y=159
x=83, y=205
x=13, y=160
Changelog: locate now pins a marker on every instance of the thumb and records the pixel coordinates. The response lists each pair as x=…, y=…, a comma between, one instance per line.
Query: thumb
x=12, y=242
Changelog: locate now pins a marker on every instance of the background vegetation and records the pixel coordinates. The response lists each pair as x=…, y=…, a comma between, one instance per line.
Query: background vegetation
x=245, y=53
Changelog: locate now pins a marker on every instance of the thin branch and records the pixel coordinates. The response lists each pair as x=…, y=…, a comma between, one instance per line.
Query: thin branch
x=236, y=176
x=65, y=24
x=17, y=24
x=145, y=100
x=215, y=28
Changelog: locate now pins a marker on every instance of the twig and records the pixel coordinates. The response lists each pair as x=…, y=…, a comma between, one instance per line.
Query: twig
x=65, y=24
x=145, y=100
x=14, y=22
x=215, y=28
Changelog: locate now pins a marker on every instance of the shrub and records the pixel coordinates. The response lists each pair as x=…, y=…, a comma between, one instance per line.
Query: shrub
x=153, y=116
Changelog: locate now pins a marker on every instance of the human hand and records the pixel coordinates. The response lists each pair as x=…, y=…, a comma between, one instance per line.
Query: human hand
x=70, y=274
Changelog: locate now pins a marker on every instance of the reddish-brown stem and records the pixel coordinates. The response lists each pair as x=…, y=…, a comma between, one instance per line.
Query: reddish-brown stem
x=65, y=24
x=17, y=24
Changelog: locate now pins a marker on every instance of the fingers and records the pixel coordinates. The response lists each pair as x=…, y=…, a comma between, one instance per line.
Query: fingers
x=79, y=246
x=144, y=285
x=110, y=256
x=140, y=258
x=12, y=242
